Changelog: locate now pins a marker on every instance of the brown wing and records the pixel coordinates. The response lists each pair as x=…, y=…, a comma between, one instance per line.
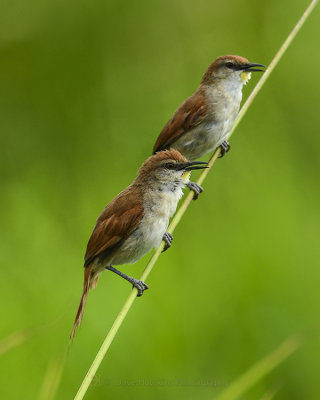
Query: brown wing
x=191, y=112
x=116, y=222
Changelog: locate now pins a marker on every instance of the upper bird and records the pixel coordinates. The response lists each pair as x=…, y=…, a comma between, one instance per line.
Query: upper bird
x=203, y=121
x=136, y=220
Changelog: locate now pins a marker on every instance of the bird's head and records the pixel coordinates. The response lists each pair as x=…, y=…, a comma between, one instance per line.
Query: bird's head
x=169, y=166
x=230, y=67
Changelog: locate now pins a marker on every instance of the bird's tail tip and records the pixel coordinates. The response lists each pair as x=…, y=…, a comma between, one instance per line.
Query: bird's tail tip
x=90, y=281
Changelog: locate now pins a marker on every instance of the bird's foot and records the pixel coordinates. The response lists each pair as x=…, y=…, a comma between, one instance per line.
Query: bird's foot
x=225, y=147
x=140, y=285
x=167, y=238
x=197, y=189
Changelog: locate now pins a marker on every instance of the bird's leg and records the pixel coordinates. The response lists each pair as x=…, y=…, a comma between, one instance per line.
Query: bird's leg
x=225, y=147
x=167, y=238
x=141, y=286
x=197, y=189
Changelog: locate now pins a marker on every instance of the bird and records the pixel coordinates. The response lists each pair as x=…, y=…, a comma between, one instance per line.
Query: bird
x=204, y=120
x=136, y=220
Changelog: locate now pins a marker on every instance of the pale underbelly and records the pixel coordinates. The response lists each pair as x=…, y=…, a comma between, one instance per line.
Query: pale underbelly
x=140, y=242
x=203, y=139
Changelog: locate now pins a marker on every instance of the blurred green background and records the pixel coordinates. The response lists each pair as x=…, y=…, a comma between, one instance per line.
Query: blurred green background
x=85, y=88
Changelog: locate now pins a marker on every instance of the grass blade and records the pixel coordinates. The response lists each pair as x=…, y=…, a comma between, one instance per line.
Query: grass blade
x=260, y=369
x=14, y=340
x=52, y=378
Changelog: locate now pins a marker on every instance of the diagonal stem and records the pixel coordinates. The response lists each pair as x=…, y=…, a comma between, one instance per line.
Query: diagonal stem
x=177, y=218
x=260, y=369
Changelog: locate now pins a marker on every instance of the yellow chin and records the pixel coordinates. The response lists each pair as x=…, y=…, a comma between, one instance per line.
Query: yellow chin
x=186, y=175
x=245, y=77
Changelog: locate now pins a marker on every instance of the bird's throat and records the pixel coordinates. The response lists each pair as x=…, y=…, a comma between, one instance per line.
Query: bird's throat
x=186, y=176
x=245, y=77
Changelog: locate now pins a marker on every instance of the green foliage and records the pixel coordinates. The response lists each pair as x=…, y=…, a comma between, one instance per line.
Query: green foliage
x=85, y=89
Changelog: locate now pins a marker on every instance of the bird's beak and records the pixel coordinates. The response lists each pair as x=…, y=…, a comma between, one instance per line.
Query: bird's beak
x=250, y=67
x=191, y=165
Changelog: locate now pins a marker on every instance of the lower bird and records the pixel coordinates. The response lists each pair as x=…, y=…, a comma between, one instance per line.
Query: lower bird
x=136, y=220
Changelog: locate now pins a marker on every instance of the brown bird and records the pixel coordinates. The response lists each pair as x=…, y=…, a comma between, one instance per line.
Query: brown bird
x=136, y=220
x=202, y=122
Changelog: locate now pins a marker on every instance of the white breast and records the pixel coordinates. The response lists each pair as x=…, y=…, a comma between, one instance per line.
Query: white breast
x=159, y=206
x=223, y=107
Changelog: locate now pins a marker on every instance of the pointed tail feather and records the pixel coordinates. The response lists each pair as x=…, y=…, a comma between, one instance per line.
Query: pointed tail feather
x=90, y=280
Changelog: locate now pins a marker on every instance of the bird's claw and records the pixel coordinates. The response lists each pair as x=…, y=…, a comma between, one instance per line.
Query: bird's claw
x=141, y=286
x=197, y=189
x=167, y=238
x=225, y=147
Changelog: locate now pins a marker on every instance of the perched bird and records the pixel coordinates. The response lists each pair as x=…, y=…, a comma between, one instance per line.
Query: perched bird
x=136, y=220
x=203, y=121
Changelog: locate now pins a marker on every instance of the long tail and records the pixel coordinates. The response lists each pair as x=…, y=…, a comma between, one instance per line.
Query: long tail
x=90, y=281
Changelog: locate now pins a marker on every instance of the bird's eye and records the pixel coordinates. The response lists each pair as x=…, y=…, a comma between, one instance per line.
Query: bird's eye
x=230, y=65
x=170, y=165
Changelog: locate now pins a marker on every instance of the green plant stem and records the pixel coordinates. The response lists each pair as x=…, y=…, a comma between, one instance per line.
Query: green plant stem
x=260, y=369
x=177, y=218
x=14, y=340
